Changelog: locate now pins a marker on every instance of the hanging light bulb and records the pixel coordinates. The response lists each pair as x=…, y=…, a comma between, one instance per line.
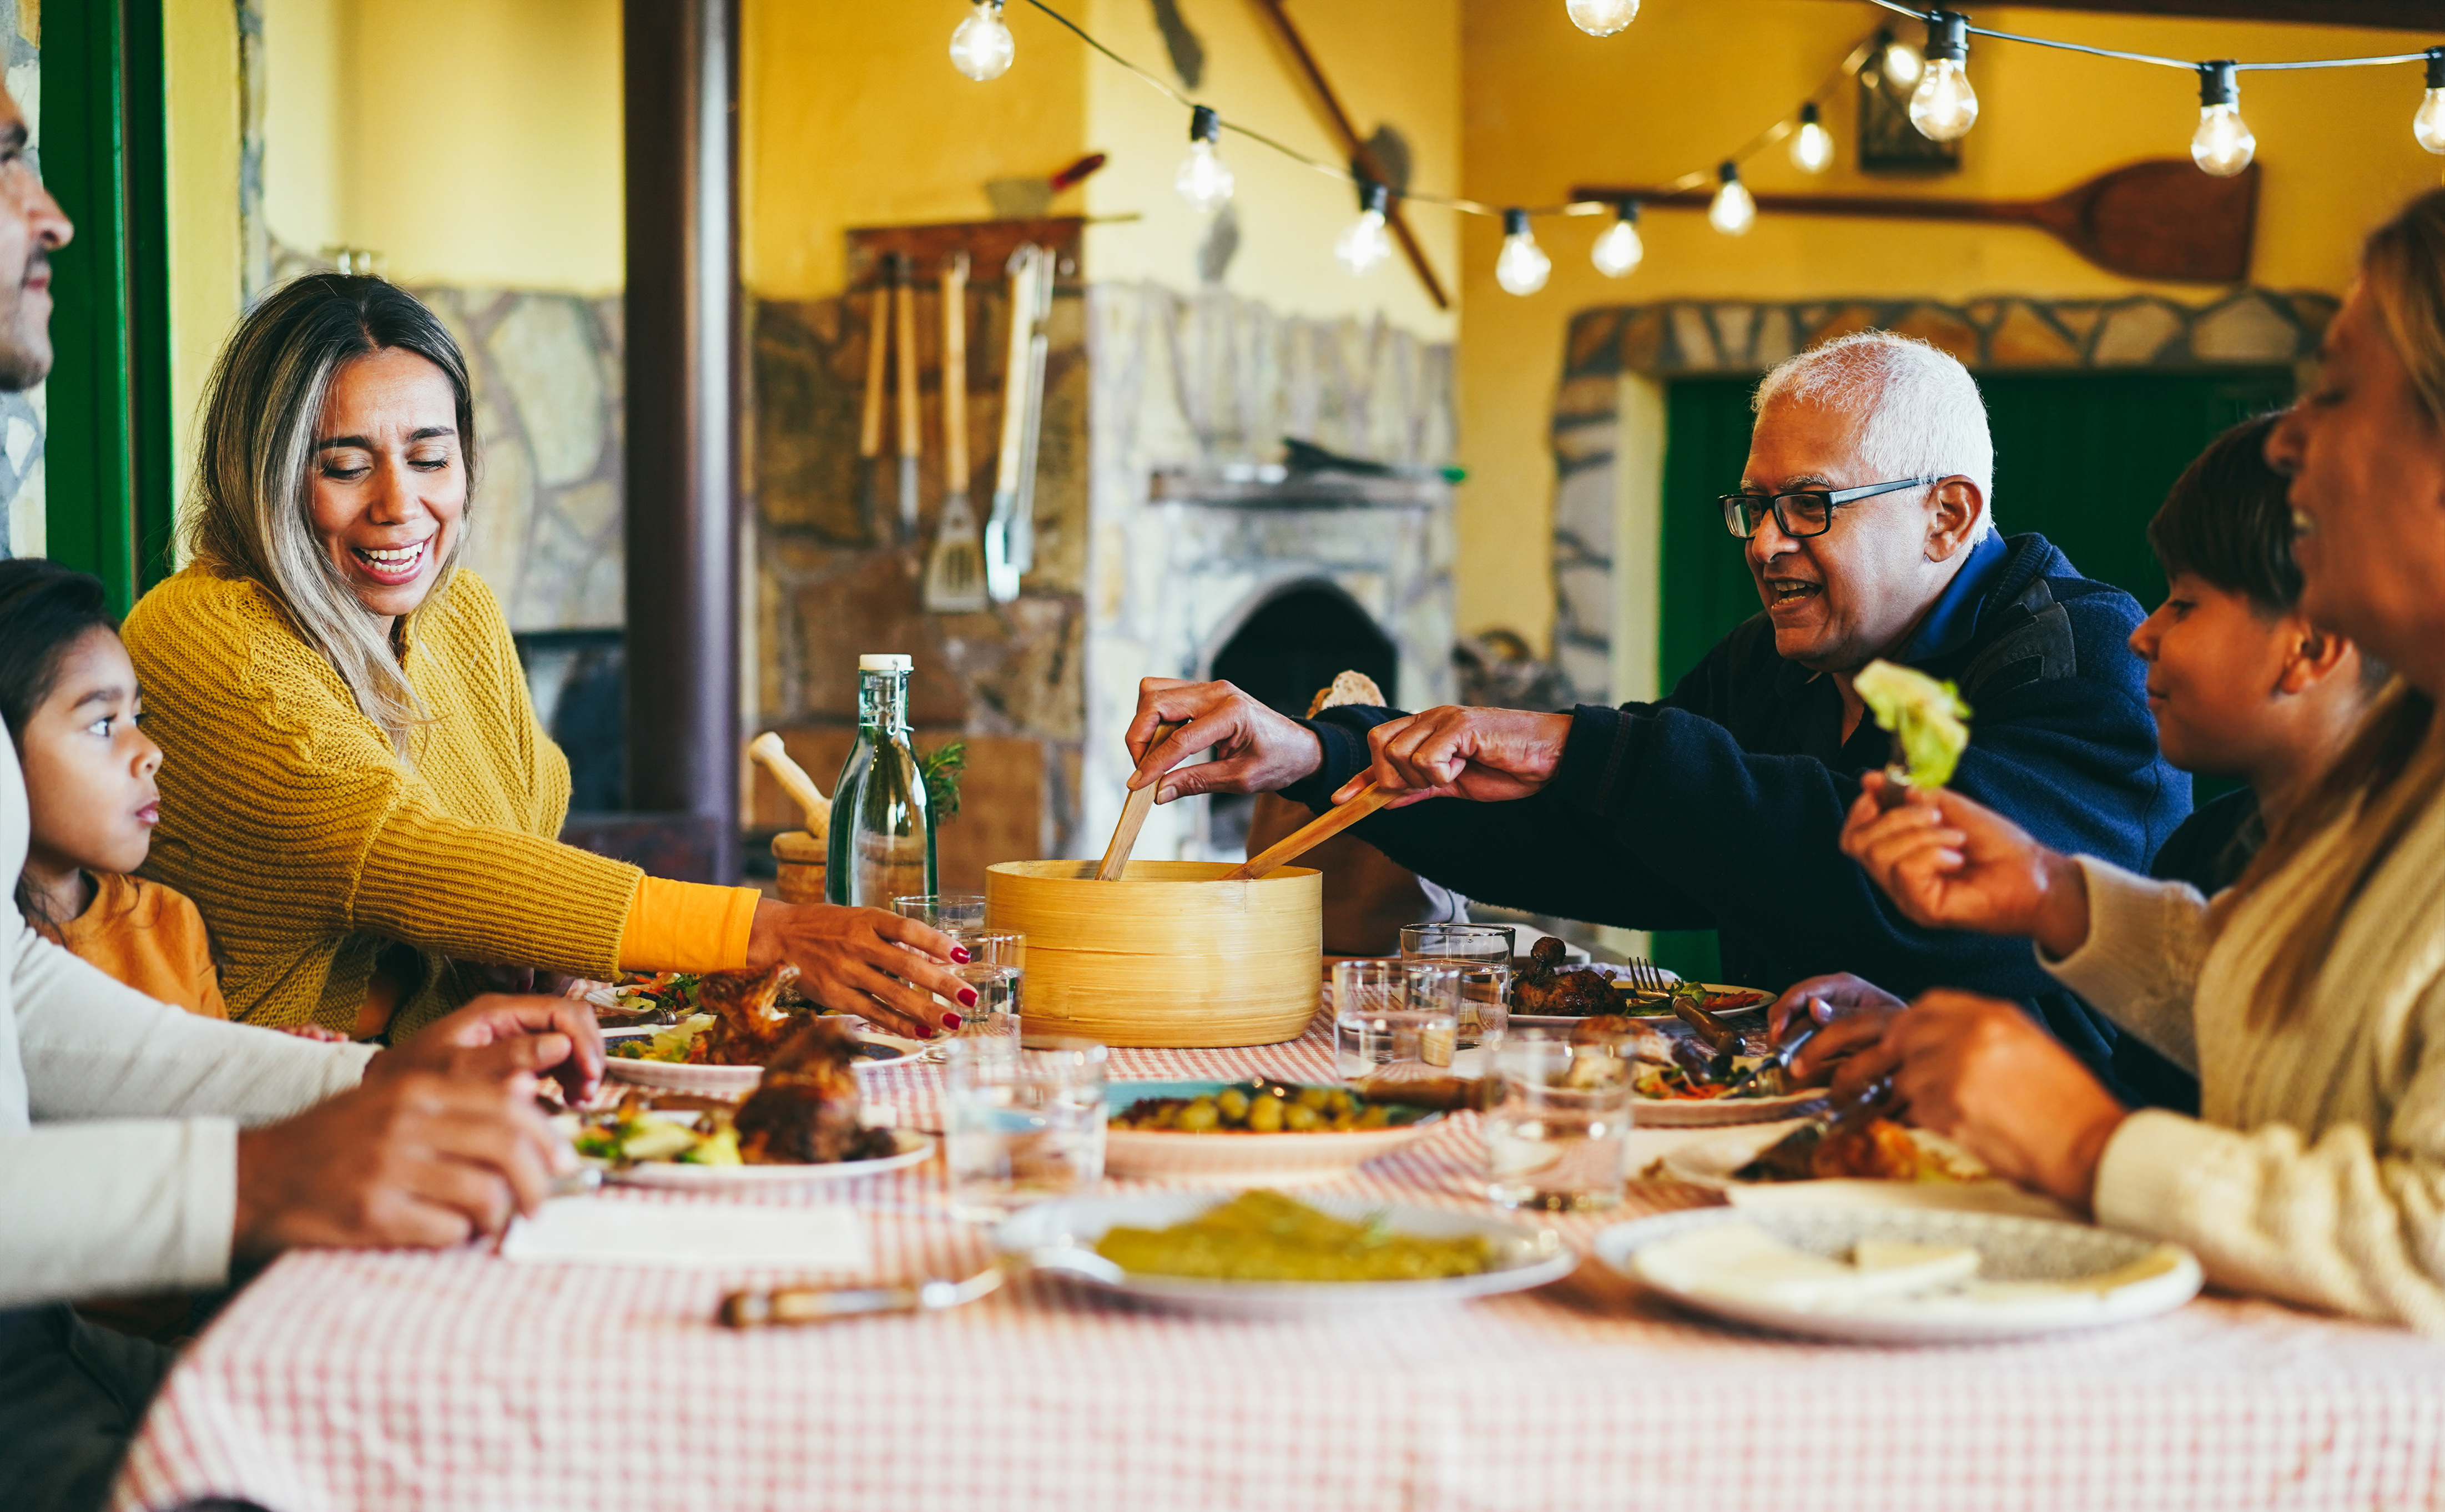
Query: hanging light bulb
x=1523, y=265
x=1204, y=178
x=1902, y=61
x=981, y=46
x=2222, y=144
x=1812, y=145
x=1944, y=107
x=2428, y=126
x=1601, y=18
x=1620, y=250
x=1735, y=209
x=1365, y=245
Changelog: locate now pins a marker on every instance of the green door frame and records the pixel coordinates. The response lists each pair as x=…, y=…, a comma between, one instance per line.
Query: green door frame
x=105, y=157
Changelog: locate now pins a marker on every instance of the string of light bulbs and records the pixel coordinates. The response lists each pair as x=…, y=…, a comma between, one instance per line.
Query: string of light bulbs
x=1943, y=107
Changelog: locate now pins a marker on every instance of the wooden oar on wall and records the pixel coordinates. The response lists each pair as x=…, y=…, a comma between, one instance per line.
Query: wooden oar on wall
x=2158, y=219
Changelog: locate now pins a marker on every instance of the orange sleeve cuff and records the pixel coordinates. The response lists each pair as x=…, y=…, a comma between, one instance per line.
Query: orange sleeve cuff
x=687, y=926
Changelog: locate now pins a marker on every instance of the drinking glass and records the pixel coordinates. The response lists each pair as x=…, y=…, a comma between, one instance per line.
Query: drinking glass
x=1395, y=1017
x=1022, y=1125
x=1482, y=953
x=1558, y=1134
x=996, y=963
x=957, y=914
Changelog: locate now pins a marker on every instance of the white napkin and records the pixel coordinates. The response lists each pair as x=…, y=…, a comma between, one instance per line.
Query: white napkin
x=612, y=1231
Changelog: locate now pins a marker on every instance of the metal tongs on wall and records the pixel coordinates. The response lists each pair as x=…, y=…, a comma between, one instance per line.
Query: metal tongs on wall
x=1010, y=529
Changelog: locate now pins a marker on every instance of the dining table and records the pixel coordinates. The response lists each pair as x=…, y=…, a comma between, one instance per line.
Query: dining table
x=460, y=1379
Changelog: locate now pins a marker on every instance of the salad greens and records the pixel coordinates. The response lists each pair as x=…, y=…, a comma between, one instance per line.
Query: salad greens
x=1926, y=717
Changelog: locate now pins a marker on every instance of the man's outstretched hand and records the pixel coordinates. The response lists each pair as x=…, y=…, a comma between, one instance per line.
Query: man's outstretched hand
x=1255, y=750
x=1488, y=755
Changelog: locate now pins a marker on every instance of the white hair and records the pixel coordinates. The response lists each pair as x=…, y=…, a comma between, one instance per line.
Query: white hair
x=1918, y=408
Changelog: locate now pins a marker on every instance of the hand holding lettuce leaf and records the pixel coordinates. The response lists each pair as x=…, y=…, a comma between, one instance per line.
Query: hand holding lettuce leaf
x=1926, y=719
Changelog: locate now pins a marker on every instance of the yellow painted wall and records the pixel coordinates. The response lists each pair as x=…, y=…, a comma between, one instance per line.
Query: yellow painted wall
x=853, y=116
x=200, y=49
x=473, y=142
x=1399, y=64
x=1547, y=108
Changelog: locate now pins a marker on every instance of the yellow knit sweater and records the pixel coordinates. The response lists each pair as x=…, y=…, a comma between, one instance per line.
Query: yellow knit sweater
x=288, y=819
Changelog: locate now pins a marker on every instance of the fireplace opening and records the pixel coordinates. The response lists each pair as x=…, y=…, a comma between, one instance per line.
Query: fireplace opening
x=1289, y=646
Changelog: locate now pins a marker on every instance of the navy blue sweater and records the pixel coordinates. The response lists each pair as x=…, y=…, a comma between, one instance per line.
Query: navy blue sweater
x=1719, y=807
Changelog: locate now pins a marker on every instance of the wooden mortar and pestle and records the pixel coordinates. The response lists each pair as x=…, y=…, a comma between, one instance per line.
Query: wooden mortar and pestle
x=800, y=853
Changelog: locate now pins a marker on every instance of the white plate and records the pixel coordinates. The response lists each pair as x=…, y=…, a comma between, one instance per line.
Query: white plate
x=1239, y=1159
x=2100, y=1276
x=1528, y=1257
x=1714, y=1113
x=1711, y=1162
x=724, y=1081
x=915, y=1149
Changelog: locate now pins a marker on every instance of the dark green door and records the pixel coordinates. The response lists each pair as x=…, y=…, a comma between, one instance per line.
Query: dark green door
x=2083, y=459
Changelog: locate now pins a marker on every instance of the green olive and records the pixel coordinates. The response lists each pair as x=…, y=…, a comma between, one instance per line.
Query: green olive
x=1378, y=1116
x=1199, y=1116
x=1233, y=1102
x=1318, y=1099
x=1300, y=1118
x=1341, y=1101
x=1265, y=1115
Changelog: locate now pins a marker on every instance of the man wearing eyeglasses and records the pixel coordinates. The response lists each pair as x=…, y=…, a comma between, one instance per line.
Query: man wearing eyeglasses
x=1864, y=517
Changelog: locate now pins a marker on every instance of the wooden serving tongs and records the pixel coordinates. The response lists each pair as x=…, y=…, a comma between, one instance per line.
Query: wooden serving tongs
x=1133, y=814
x=1312, y=835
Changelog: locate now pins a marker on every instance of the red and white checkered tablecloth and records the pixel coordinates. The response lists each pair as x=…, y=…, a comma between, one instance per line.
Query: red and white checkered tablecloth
x=458, y=1380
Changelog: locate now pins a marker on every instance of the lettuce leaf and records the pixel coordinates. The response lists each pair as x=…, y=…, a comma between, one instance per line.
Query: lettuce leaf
x=1926, y=717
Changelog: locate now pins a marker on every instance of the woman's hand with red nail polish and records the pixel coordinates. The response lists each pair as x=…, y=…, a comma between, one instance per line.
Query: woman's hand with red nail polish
x=967, y=997
x=952, y=1020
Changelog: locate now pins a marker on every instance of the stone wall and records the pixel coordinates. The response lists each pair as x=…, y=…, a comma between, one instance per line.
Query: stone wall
x=2250, y=327
x=825, y=586
x=1200, y=381
x=546, y=529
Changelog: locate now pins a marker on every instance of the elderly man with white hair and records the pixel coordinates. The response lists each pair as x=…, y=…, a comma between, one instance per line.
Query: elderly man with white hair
x=1864, y=510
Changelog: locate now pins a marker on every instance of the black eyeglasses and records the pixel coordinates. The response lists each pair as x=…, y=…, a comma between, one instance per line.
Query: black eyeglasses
x=1804, y=512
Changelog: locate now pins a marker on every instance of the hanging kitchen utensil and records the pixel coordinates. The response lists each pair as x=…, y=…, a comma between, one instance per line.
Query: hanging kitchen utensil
x=904, y=319
x=1312, y=835
x=955, y=570
x=2160, y=218
x=1133, y=816
x=1001, y=571
x=1022, y=514
x=870, y=418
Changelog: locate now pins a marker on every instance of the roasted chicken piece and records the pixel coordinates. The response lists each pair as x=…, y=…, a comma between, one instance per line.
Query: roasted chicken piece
x=1633, y=1037
x=1862, y=1149
x=1543, y=987
x=751, y=1022
x=804, y=1111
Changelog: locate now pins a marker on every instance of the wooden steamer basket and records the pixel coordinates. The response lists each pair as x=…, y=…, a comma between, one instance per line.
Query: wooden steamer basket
x=1167, y=957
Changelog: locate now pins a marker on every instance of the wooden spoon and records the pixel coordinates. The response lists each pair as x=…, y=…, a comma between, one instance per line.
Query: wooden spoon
x=1312, y=835
x=1133, y=815
x=2158, y=219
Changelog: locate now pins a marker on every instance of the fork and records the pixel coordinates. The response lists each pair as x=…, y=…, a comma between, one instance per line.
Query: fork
x=1643, y=975
x=1777, y=1061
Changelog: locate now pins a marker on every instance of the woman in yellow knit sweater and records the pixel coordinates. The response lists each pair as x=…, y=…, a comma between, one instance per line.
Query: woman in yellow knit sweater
x=357, y=793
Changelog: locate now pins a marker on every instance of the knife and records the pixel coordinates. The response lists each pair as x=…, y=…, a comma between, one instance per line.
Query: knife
x=903, y=306
x=809, y=1304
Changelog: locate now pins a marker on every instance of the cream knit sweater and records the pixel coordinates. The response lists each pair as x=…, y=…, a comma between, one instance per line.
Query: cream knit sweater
x=119, y=1115
x=2316, y=1171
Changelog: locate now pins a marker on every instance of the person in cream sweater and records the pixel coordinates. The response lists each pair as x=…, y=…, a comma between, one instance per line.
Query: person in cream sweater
x=2310, y=995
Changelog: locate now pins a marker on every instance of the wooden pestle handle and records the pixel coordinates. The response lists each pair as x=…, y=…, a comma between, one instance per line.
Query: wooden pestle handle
x=767, y=749
x=1312, y=835
x=904, y=321
x=878, y=364
x=1133, y=815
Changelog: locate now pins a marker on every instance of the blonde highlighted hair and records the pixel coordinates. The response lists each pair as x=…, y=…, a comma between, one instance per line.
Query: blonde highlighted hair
x=252, y=506
x=2384, y=779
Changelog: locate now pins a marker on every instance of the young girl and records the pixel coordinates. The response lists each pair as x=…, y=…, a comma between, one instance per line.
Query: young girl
x=69, y=696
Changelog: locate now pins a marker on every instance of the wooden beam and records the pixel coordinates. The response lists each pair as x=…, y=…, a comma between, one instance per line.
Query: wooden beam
x=2401, y=15
x=681, y=98
x=1358, y=148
